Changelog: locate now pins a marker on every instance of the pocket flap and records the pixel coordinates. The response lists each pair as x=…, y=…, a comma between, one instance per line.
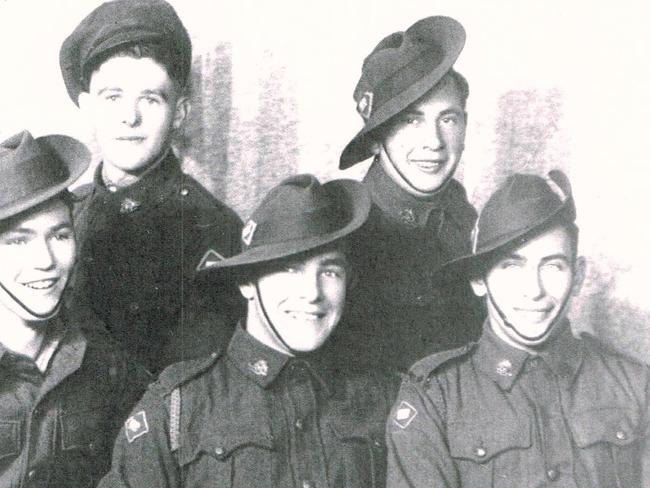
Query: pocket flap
x=615, y=425
x=479, y=439
x=10, y=436
x=224, y=440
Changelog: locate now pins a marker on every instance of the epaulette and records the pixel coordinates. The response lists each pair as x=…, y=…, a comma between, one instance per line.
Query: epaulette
x=82, y=192
x=424, y=368
x=179, y=373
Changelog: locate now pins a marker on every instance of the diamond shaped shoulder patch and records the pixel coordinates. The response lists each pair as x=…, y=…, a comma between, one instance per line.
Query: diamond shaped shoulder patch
x=136, y=426
x=405, y=414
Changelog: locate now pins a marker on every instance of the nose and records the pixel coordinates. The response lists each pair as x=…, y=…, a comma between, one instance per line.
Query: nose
x=42, y=255
x=531, y=285
x=310, y=286
x=130, y=113
x=432, y=137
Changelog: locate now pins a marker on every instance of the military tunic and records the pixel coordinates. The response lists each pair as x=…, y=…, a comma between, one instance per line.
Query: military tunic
x=254, y=417
x=490, y=415
x=60, y=414
x=400, y=311
x=139, y=249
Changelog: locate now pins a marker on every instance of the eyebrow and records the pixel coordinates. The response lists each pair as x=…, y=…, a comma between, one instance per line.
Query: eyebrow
x=108, y=88
x=28, y=231
x=335, y=262
x=519, y=257
x=161, y=93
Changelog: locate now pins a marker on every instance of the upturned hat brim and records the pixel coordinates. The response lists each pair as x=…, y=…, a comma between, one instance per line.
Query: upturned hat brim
x=449, y=37
x=346, y=191
x=68, y=150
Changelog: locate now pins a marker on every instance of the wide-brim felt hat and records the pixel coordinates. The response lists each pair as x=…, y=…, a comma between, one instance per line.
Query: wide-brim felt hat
x=517, y=211
x=400, y=70
x=34, y=170
x=299, y=215
x=119, y=23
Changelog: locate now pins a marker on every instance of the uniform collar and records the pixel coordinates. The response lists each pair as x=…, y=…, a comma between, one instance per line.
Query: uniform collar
x=62, y=349
x=263, y=364
x=504, y=363
x=153, y=187
x=403, y=206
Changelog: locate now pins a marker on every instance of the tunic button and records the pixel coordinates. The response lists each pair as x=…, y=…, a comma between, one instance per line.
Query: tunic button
x=552, y=474
x=32, y=474
x=377, y=444
x=298, y=424
x=134, y=306
x=184, y=192
x=620, y=435
x=307, y=484
x=218, y=451
x=480, y=452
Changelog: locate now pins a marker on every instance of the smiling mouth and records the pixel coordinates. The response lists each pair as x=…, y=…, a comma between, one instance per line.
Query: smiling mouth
x=302, y=315
x=42, y=284
x=428, y=165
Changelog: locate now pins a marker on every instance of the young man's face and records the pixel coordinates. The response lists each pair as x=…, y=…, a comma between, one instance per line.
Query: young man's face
x=421, y=149
x=37, y=253
x=304, y=299
x=133, y=106
x=530, y=286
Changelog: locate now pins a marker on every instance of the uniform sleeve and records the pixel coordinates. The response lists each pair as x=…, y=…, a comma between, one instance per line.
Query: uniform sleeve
x=418, y=455
x=142, y=457
x=645, y=441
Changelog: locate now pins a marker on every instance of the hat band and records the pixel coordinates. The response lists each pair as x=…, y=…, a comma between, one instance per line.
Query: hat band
x=302, y=226
x=33, y=175
x=408, y=74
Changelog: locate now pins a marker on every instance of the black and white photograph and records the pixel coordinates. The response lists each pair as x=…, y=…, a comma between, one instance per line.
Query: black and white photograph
x=324, y=244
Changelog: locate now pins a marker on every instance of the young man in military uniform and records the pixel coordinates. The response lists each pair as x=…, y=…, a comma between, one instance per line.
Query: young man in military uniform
x=64, y=393
x=413, y=106
x=529, y=404
x=144, y=226
x=271, y=410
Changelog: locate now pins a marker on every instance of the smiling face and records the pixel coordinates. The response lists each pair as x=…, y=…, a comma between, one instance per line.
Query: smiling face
x=133, y=106
x=531, y=286
x=37, y=253
x=422, y=146
x=303, y=298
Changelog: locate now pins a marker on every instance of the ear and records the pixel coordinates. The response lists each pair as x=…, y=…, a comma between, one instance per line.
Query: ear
x=579, y=274
x=183, y=108
x=479, y=287
x=247, y=290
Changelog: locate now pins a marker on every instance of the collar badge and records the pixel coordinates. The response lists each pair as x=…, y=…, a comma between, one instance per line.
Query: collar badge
x=129, y=205
x=504, y=368
x=260, y=368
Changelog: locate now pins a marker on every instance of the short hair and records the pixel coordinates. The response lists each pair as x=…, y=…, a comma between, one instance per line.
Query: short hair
x=157, y=52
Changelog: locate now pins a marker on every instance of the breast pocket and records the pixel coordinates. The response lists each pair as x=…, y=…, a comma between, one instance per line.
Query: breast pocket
x=359, y=456
x=10, y=440
x=87, y=438
x=610, y=439
x=484, y=449
x=230, y=456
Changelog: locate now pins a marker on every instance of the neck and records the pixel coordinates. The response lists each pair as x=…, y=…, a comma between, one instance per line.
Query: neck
x=504, y=337
x=257, y=327
x=113, y=176
x=21, y=336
